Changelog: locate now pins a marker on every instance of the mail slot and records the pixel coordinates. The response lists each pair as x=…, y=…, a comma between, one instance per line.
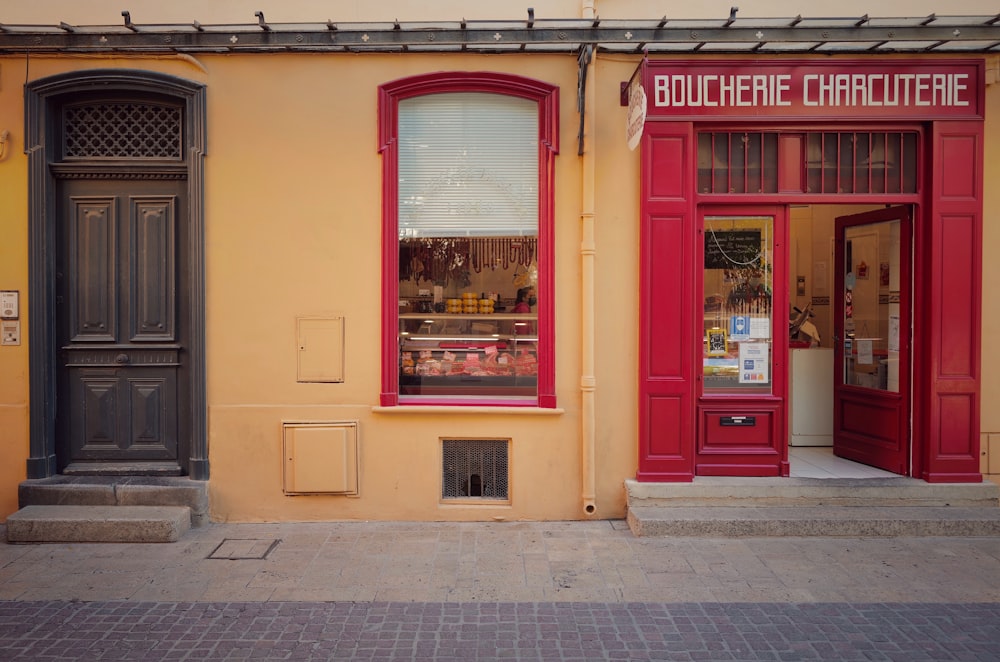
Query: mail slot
x=738, y=421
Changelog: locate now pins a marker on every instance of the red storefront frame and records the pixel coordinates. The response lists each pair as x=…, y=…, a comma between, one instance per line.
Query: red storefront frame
x=947, y=259
x=547, y=98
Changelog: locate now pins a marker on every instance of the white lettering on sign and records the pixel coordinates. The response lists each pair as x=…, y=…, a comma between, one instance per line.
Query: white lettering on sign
x=832, y=90
x=885, y=90
x=711, y=90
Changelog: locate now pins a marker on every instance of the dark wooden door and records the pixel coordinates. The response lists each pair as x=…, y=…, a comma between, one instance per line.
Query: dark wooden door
x=872, y=319
x=121, y=346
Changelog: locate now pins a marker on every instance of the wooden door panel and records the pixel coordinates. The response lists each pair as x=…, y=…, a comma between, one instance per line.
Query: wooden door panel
x=152, y=426
x=91, y=271
x=120, y=344
x=121, y=415
x=870, y=417
x=152, y=257
x=96, y=424
x=871, y=341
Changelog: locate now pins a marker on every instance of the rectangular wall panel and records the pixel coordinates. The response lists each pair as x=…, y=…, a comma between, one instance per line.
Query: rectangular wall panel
x=666, y=299
x=664, y=428
x=957, y=283
x=668, y=168
x=947, y=376
x=956, y=438
x=958, y=178
x=666, y=413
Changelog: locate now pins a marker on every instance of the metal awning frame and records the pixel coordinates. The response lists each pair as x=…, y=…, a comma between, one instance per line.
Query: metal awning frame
x=797, y=35
x=581, y=37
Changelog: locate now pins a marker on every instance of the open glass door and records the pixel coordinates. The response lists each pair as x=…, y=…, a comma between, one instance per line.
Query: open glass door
x=872, y=339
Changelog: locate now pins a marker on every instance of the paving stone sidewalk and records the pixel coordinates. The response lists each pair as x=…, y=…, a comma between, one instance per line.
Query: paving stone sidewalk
x=562, y=631
x=499, y=591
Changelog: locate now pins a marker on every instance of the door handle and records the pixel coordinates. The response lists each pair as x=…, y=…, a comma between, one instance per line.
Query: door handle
x=121, y=358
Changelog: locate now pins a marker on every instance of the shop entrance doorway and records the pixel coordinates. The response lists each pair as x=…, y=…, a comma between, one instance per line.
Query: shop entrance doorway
x=850, y=294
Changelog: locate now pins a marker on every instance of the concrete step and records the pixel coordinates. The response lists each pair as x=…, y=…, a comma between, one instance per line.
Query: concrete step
x=98, y=524
x=737, y=492
x=765, y=521
x=732, y=506
x=118, y=491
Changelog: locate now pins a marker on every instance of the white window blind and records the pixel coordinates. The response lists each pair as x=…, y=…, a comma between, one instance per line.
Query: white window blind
x=468, y=166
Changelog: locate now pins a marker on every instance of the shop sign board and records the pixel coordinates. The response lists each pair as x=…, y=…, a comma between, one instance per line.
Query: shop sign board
x=883, y=89
x=636, y=113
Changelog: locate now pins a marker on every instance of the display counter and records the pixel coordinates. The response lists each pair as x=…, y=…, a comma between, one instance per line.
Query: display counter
x=445, y=354
x=812, y=397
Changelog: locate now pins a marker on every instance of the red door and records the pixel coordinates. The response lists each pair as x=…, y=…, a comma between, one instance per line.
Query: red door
x=872, y=324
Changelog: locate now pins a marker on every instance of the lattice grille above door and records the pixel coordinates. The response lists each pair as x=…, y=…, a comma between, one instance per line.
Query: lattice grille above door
x=122, y=130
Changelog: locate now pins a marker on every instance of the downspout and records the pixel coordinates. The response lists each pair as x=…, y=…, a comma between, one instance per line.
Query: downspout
x=588, y=383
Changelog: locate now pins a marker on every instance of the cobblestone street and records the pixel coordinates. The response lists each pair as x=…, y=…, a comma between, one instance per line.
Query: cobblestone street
x=502, y=591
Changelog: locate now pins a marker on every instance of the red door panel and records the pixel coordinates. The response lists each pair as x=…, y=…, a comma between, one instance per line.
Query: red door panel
x=872, y=320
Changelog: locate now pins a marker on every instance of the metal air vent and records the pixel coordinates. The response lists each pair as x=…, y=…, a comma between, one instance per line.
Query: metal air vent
x=475, y=469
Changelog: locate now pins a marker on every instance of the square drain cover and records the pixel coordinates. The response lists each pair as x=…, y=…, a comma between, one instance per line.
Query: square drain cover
x=244, y=548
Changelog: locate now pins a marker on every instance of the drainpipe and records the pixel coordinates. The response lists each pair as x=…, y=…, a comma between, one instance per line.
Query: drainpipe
x=588, y=383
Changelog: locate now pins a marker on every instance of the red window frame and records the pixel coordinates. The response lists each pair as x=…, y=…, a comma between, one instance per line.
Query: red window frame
x=547, y=98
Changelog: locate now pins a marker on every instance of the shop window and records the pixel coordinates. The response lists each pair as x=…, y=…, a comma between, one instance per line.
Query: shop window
x=467, y=241
x=738, y=162
x=861, y=162
x=738, y=313
x=825, y=162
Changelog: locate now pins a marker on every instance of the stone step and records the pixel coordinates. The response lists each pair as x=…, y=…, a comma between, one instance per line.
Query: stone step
x=751, y=492
x=118, y=491
x=127, y=524
x=766, y=521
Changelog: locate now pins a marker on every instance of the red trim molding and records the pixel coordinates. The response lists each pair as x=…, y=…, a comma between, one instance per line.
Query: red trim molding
x=547, y=98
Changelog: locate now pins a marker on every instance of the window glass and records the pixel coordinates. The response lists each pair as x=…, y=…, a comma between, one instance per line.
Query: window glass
x=738, y=315
x=468, y=166
x=468, y=240
x=872, y=305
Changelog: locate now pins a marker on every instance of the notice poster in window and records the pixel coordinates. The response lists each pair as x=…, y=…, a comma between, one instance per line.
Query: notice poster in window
x=754, y=363
x=739, y=327
x=760, y=327
x=865, y=354
x=893, y=333
x=716, y=341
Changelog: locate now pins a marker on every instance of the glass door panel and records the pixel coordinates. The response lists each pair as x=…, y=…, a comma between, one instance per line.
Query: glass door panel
x=871, y=312
x=737, y=284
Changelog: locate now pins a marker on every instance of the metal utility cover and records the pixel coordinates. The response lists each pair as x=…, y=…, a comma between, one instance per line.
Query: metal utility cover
x=321, y=458
x=320, y=349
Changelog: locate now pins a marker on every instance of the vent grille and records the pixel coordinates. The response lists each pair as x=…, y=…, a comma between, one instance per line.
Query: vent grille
x=475, y=469
x=122, y=131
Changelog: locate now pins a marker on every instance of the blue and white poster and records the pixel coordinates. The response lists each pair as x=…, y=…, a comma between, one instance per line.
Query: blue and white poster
x=739, y=327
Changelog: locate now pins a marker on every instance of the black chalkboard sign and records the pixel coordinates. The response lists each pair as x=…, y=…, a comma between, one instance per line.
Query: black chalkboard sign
x=732, y=249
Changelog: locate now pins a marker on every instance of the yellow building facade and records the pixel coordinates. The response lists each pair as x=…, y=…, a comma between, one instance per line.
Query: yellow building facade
x=292, y=405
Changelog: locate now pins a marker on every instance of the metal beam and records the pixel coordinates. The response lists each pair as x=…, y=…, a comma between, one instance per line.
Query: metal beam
x=568, y=37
